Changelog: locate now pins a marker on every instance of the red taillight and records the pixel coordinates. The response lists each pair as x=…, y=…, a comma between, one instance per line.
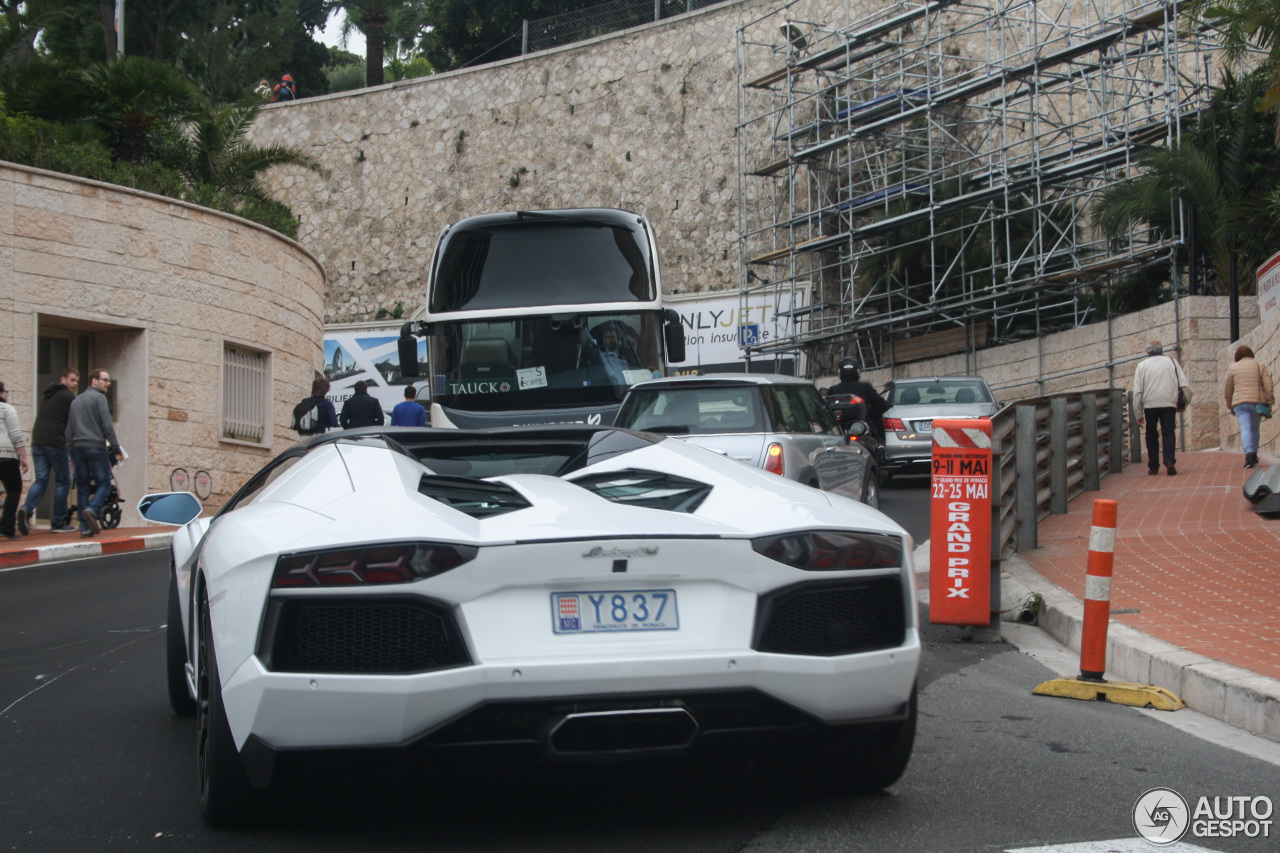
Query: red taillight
x=832, y=550
x=379, y=564
x=894, y=424
x=773, y=459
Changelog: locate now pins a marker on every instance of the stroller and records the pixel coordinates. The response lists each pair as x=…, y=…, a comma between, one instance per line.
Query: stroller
x=109, y=518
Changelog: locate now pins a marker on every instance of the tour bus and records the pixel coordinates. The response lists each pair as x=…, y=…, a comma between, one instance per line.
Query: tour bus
x=537, y=317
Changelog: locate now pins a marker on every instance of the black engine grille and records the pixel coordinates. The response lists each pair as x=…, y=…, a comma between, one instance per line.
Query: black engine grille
x=365, y=636
x=838, y=618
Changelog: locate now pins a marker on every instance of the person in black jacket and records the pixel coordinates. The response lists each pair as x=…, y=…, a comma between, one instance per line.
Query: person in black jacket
x=360, y=409
x=850, y=384
x=49, y=451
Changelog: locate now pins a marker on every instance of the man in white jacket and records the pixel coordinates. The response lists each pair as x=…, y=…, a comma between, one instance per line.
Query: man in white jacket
x=1156, y=383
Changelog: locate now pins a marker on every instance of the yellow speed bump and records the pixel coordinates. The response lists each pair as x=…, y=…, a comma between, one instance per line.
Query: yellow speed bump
x=1116, y=692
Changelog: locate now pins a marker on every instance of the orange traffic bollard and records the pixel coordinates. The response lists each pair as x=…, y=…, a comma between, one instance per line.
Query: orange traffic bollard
x=1097, y=590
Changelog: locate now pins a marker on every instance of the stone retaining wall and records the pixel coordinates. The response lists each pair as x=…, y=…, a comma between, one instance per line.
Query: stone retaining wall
x=642, y=120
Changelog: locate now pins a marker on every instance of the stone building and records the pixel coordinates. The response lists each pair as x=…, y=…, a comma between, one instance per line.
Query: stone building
x=209, y=324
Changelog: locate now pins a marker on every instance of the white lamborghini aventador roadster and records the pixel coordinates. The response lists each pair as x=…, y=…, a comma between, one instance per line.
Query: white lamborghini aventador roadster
x=569, y=593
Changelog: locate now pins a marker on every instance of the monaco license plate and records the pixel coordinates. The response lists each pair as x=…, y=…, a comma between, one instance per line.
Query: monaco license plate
x=924, y=426
x=598, y=611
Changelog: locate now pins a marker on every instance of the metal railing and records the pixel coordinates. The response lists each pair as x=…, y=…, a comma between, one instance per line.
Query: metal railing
x=583, y=24
x=1045, y=452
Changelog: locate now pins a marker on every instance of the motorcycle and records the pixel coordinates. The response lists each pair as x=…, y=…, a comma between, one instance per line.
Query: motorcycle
x=850, y=412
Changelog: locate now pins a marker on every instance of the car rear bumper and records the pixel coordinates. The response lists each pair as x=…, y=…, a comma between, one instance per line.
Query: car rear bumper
x=900, y=455
x=295, y=711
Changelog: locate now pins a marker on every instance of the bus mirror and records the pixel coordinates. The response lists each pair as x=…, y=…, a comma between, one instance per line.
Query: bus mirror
x=408, y=347
x=674, y=336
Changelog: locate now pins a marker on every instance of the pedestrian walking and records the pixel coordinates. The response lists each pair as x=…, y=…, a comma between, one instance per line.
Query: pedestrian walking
x=410, y=412
x=1158, y=383
x=49, y=453
x=13, y=464
x=1248, y=387
x=91, y=438
x=361, y=410
x=316, y=413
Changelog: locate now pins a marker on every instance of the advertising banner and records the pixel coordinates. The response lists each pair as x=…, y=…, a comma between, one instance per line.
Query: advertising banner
x=369, y=354
x=960, y=523
x=716, y=328
x=1269, y=289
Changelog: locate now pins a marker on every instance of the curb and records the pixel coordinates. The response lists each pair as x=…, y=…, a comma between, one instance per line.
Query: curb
x=82, y=550
x=1228, y=693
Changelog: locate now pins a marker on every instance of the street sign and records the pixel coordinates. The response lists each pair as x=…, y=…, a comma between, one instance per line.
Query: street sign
x=960, y=523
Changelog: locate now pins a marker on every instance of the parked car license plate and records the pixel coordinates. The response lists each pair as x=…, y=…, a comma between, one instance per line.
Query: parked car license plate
x=597, y=611
x=924, y=426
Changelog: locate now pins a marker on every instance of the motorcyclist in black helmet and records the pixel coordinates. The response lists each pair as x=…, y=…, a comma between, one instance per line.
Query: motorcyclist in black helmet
x=850, y=384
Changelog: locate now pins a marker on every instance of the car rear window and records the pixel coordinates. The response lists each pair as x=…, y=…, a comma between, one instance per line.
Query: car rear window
x=941, y=392
x=704, y=409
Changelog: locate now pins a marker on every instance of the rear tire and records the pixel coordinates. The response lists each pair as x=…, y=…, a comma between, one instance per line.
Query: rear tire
x=176, y=656
x=226, y=797
x=848, y=762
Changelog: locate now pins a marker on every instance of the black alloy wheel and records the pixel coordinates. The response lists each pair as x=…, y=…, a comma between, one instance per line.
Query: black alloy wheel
x=226, y=798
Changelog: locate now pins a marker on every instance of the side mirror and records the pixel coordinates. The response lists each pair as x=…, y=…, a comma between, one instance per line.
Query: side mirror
x=176, y=508
x=408, y=350
x=673, y=335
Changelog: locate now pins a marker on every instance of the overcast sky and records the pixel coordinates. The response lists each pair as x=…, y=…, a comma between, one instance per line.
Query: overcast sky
x=332, y=35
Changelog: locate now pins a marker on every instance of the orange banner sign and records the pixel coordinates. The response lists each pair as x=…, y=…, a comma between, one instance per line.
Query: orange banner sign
x=960, y=528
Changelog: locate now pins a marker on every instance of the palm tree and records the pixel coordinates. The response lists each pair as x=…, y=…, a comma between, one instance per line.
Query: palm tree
x=373, y=18
x=132, y=97
x=1224, y=170
x=1246, y=26
x=215, y=151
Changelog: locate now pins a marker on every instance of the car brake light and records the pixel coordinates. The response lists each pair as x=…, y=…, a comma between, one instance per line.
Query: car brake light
x=832, y=550
x=894, y=424
x=773, y=459
x=377, y=564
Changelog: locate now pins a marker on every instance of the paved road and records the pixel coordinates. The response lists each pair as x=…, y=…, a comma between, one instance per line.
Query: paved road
x=91, y=758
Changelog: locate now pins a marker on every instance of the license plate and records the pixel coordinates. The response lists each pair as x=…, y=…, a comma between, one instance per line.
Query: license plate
x=599, y=611
x=924, y=426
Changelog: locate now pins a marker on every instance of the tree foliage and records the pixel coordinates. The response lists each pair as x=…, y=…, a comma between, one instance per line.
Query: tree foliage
x=1225, y=170
x=140, y=123
x=1245, y=26
x=463, y=32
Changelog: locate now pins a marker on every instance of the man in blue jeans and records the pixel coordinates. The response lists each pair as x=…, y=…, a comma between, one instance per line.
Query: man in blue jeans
x=92, y=439
x=49, y=450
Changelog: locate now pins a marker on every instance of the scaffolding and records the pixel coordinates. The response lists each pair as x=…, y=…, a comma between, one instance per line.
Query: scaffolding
x=926, y=173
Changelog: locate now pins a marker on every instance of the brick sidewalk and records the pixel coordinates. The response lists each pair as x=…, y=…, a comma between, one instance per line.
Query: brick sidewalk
x=1197, y=564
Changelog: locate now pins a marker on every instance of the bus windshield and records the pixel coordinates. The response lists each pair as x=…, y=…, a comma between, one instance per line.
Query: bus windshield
x=543, y=361
x=496, y=262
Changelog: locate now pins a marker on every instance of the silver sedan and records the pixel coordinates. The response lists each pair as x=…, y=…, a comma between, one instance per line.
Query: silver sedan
x=778, y=423
x=913, y=406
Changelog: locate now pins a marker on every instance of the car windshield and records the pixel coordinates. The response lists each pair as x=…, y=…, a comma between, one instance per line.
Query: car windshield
x=940, y=392
x=693, y=409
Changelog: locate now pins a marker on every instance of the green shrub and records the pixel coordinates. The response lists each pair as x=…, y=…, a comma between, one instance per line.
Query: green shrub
x=344, y=78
